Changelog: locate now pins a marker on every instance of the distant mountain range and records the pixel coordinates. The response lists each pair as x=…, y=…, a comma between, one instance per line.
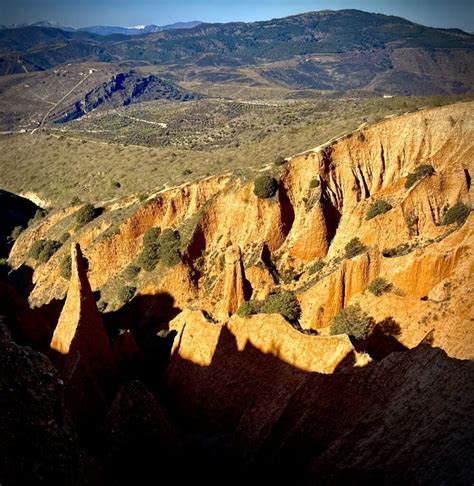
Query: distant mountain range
x=328, y=50
x=108, y=30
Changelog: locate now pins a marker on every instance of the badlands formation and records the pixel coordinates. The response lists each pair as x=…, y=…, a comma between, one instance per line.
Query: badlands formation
x=179, y=370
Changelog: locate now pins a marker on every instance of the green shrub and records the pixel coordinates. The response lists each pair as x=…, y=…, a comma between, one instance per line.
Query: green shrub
x=36, y=249
x=457, y=214
x=378, y=207
x=86, y=214
x=65, y=267
x=17, y=231
x=170, y=242
x=316, y=267
x=131, y=272
x=126, y=293
x=151, y=237
x=354, y=248
x=249, y=308
x=284, y=303
x=280, y=160
x=148, y=258
x=352, y=321
x=150, y=255
x=265, y=187
x=187, y=172
x=422, y=171
x=39, y=215
x=379, y=286
x=49, y=249
x=313, y=183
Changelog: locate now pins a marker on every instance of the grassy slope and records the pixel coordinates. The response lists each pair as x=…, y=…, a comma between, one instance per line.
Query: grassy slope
x=62, y=166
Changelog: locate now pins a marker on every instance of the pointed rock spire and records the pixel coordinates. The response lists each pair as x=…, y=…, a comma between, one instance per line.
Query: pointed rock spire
x=80, y=328
x=236, y=287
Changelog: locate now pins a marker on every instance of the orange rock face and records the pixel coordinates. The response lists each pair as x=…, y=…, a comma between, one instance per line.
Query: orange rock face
x=80, y=327
x=197, y=341
x=236, y=287
x=322, y=203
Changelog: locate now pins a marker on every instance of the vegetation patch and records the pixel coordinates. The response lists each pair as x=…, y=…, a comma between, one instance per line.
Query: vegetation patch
x=65, y=267
x=457, y=214
x=39, y=215
x=316, y=267
x=280, y=160
x=284, y=303
x=422, y=171
x=170, y=242
x=159, y=246
x=43, y=250
x=378, y=207
x=150, y=255
x=314, y=183
x=249, y=308
x=379, y=286
x=131, y=272
x=354, y=248
x=352, y=321
x=17, y=231
x=126, y=293
x=86, y=214
x=400, y=250
x=265, y=187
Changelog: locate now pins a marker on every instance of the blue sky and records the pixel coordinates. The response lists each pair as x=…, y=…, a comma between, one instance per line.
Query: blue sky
x=77, y=13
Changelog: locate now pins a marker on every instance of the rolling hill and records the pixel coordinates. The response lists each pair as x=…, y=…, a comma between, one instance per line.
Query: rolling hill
x=328, y=50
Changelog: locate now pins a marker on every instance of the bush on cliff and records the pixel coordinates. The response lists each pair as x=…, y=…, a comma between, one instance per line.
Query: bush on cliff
x=354, y=248
x=150, y=255
x=422, y=171
x=86, y=214
x=131, y=272
x=49, y=249
x=352, y=321
x=280, y=160
x=265, y=187
x=17, y=231
x=65, y=267
x=170, y=242
x=284, y=303
x=378, y=207
x=249, y=308
x=126, y=293
x=457, y=214
x=379, y=286
x=43, y=250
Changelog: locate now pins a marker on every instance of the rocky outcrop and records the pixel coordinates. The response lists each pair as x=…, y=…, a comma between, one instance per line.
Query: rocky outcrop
x=197, y=340
x=80, y=328
x=281, y=420
x=38, y=443
x=321, y=302
x=236, y=287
